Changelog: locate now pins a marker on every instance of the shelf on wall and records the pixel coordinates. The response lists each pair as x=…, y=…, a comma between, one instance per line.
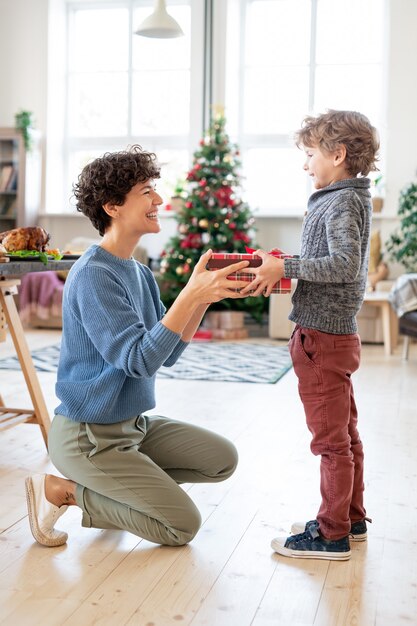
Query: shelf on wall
x=20, y=182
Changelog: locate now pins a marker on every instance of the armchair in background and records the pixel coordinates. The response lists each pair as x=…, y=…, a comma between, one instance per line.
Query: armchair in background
x=408, y=328
x=403, y=297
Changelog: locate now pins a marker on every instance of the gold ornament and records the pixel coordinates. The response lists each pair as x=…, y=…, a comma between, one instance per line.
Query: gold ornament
x=203, y=223
x=179, y=270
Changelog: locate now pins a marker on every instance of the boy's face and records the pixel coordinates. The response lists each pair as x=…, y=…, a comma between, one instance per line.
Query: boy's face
x=139, y=212
x=324, y=168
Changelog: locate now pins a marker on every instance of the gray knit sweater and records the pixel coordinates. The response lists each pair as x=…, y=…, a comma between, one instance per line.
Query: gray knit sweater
x=333, y=264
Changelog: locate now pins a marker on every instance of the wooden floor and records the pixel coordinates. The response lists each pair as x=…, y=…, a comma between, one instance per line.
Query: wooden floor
x=228, y=575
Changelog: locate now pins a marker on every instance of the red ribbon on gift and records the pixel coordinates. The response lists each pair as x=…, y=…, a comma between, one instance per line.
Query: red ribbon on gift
x=275, y=252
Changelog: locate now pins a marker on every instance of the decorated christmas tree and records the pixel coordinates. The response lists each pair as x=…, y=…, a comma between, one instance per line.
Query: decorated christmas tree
x=210, y=214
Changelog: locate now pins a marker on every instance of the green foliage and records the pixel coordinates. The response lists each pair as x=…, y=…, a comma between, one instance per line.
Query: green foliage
x=378, y=181
x=211, y=215
x=35, y=254
x=24, y=122
x=402, y=244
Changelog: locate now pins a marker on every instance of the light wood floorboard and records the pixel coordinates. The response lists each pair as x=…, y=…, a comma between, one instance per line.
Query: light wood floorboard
x=228, y=576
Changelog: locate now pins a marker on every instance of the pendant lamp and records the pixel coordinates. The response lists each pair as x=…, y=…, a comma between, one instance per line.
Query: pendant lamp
x=159, y=24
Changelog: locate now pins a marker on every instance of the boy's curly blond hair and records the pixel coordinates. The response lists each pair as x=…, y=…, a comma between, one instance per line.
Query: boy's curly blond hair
x=348, y=128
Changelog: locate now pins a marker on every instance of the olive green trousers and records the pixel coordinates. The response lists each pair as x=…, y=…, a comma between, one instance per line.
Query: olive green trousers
x=128, y=474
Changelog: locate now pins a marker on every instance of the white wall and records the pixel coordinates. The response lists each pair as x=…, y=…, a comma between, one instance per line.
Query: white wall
x=23, y=54
x=401, y=130
x=23, y=73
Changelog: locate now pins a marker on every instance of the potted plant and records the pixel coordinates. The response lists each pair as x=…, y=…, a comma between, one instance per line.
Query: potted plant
x=402, y=244
x=377, y=194
x=24, y=123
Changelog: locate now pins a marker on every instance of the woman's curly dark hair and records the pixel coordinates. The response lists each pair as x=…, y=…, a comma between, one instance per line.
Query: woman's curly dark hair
x=109, y=179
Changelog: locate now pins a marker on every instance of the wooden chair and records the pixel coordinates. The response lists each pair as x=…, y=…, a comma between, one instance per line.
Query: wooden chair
x=408, y=328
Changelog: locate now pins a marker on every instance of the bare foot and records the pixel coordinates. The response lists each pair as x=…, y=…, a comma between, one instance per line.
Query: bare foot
x=59, y=491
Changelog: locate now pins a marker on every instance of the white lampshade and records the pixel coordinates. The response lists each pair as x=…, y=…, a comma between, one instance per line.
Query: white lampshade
x=160, y=24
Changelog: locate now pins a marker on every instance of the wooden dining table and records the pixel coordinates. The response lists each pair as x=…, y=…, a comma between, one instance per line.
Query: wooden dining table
x=10, y=274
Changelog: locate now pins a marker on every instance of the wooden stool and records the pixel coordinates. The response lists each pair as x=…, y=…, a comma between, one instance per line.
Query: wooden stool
x=39, y=414
x=389, y=318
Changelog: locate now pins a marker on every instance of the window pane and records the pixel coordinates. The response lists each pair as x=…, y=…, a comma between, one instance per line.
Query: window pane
x=174, y=166
x=275, y=99
x=99, y=40
x=278, y=33
x=158, y=54
x=276, y=83
x=161, y=103
x=350, y=87
x=98, y=104
x=77, y=160
x=349, y=31
x=123, y=89
x=275, y=178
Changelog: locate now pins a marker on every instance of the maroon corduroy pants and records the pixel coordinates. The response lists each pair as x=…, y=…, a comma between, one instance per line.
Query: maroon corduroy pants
x=324, y=364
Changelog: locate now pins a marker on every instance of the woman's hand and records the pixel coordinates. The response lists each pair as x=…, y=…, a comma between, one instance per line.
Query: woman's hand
x=207, y=286
x=266, y=275
x=203, y=288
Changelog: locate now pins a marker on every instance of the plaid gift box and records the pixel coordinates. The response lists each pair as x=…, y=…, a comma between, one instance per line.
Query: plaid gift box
x=224, y=259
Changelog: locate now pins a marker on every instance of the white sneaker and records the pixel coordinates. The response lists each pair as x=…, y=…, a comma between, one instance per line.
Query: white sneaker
x=43, y=514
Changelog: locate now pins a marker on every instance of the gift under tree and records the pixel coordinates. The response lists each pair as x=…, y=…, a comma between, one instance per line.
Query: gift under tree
x=211, y=214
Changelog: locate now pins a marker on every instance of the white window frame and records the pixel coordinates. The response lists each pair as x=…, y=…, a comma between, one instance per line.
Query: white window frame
x=236, y=14
x=59, y=144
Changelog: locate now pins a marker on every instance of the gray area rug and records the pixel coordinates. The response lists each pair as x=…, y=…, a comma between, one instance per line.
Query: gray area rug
x=237, y=362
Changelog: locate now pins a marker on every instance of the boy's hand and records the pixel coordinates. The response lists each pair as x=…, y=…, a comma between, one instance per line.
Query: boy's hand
x=207, y=286
x=266, y=275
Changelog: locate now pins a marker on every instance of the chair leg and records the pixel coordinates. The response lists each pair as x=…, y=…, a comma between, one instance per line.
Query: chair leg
x=406, y=347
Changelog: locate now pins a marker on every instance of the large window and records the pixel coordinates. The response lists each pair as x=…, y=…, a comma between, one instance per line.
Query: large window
x=289, y=58
x=121, y=88
x=283, y=59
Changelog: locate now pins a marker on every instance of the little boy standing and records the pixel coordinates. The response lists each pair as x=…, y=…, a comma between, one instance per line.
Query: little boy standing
x=341, y=149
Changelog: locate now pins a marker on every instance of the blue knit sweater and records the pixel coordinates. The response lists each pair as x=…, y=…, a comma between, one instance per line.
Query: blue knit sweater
x=113, y=342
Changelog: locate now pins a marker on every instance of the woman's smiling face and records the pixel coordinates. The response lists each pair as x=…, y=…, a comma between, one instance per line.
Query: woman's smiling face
x=139, y=212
